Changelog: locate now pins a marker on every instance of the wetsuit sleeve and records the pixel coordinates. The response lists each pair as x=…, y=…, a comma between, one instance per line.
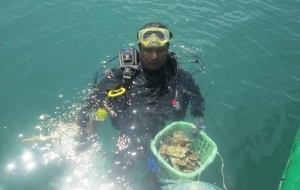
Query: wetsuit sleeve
x=113, y=80
x=193, y=91
x=91, y=104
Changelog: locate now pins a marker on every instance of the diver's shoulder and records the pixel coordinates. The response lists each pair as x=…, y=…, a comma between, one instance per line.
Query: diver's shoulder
x=110, y=77
x=183, y=71
x=184, y=76
x=116, y=74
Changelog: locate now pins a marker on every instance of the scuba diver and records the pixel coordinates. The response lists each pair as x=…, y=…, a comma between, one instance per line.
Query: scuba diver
x=141, y=95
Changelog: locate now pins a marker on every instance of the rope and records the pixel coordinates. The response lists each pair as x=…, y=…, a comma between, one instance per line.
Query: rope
x=222, y=171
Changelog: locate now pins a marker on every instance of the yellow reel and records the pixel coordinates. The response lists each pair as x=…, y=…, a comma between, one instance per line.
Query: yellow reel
x=42, y=138
x=101, y=114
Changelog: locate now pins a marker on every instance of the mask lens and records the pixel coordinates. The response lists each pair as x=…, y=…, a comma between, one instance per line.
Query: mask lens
x=148, y=34
x=160, y=35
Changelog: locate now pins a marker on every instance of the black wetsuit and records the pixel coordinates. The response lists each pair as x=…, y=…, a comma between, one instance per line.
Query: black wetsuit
x=146, y=106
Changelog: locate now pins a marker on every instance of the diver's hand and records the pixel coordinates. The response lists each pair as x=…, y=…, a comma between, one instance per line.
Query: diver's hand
x=85, y=143
x=86, y=137
x=199, y=124
x=85, y=131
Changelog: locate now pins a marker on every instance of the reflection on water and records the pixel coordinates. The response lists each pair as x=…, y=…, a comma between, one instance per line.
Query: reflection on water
x=83, y=164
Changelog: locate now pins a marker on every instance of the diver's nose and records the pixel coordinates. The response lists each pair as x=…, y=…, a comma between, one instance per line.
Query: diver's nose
x=154, y=55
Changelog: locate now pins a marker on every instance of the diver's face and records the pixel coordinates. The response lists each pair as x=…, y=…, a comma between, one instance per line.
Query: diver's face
x=153, y=58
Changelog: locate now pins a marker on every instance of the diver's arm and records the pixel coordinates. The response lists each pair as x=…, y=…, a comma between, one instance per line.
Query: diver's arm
x=196, y=100
x=112, y=80
x=197, y=109
x=86, y=124
x=197, y=103
x=83, y=120
x=193, y=91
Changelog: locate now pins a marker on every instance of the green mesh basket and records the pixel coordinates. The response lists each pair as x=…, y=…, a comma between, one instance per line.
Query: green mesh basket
x=202, y=145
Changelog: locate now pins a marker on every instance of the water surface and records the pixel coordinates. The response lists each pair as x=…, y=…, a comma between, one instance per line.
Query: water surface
x=50, y=50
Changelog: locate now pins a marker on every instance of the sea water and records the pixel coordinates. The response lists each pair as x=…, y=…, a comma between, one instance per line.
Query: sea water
x=49, y=51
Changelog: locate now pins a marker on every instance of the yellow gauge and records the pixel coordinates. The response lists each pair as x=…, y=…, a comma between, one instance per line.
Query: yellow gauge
x=116, y=93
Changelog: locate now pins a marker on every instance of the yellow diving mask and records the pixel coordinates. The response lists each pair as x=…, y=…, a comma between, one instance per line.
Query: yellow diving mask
x=154, y=36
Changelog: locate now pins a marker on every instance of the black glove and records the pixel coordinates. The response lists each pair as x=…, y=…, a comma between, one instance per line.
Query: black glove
x=85, y=142
x=199, y=124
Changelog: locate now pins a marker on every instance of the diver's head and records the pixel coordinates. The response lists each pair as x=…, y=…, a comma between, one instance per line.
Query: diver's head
x=154, y=34
x=153, y=42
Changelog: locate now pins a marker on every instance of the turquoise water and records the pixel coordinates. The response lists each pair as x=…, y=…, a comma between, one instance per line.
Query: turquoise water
x=50, y=50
